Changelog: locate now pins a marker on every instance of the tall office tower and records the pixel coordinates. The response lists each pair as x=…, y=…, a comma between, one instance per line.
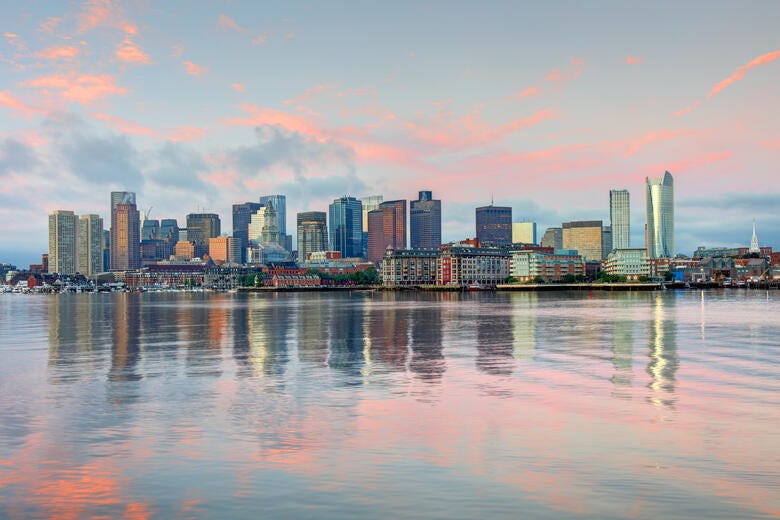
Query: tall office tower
x=169, y=230
x=125, y=238
x=620, y=219
x=62, y=242
x=494, y=225
x=553, y=237
x=242, y=216
x=524, y=232
x=225, y=250
x=386, y=227
x=312, y=233
x=586, y=237
x=606, y=241
x=280, y=205
x=425, y=222
x=150, y=229
x=117, y=198
x=370, y=203
x=106, y=250
x=346, y=226
x=90, y=245
x=264, y=227
x=202, y=226
x=660, y=216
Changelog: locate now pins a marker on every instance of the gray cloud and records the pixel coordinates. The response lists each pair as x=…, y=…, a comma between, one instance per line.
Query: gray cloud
x=15, y=156
x=105, y=161
x=177, y=167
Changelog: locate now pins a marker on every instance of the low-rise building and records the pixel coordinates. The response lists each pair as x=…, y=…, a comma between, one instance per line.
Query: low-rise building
x=632, y=263
x=296, y=280
x=527, y=265
x=463, y=266
x=409, y=267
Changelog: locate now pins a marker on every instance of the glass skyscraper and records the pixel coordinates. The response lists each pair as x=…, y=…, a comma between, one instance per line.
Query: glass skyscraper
x=346, y=227
x=279, y=203
x=620, y=219
x=425, y=222
x=494, y=225
x=660, y=217
x=312, y=233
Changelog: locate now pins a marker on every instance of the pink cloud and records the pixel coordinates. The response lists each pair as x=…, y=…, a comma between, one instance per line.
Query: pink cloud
x=260, y=39
x=12, y=103
x=308, y=94
x=104, y=13
x=177, y=51
x=193, y=69
x=226, y=22
x=688, y=109
x=79, y=88
x=528, y=92
x=561, y=77
x=238, y=87
x=128, y=52
x=267, y=116
x=740, y=72
x=67, y=52
x=124, y=125
x=186, y=134
x=653, y=137
x=772, y=145
x=50, y=24
x=633, y=60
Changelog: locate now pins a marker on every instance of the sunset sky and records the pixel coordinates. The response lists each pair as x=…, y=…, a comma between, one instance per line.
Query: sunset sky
x=546, y=106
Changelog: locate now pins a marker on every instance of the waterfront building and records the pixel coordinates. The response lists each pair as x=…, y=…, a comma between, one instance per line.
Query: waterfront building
x=279, y=203
x=586, y=237
x=527, y=265
x=386, y=228
x=524, y=232
x=632, y=263
x=203, y=226
x=370, y=203
x=409, y=267
x=464, y=266
x=125, y=237
x=620, y=219
x=171, y=274
x=89, y=245
x=425, y=222
x=494, y=225
x=225, y=250
x=312, y=233
x=346, y=227
x=553, y=237
x=660, y=217
x=63, y=226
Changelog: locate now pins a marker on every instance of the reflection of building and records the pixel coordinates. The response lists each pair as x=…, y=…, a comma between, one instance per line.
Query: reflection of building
x=63, y=242
x=494, y=225
x=427, y=360
x=495, y=342
x=312, y=233
x=346, y=227
x=524, y=232
x=524, y=323
x=663, y=363
x=386, y=228
x=585, y=237
x=622, y=348
x=620, y=219
x=425, y=222
x=660, y=217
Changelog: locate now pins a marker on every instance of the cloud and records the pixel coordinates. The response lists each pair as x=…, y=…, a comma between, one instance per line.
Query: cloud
x=654, y=137
x=561, y=77
x=238, y=87
x=528, y=92
x=688, y=109
x=50, y=24
x=193, y=69
x=740, y=72
x=104, y=13
x=129, y=52
x=178, y=167
x=78, y=88
x=226, y=22
x=186, y=134
x=16, y=157
x=260, y=39
x=103, y=161
x=633, y=60
x=123, y=125
x=267, y=117
x=14, y=104
x=67, y=52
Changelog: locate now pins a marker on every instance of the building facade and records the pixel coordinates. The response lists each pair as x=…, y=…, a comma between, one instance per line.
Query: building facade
x=464, y=266
x=527, y=265
x=242, y=216
x=370, y=203
x=425, y=222
x=659, y=235
x=312, y=233
x=279, y=203
x=553, y=237
x=386, y=228
x=63, y=252
x=225, y=250
x=524, y=233
x=346, y=227
x=125, y=238
x=632, y=263
x=494, y=225
x=409, y=267
x=89, y=245
x=203, y=226
x=620, y=219
x=586, y=237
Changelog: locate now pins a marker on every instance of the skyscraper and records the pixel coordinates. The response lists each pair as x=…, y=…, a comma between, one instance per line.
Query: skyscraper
x=312, y=233
x=553, y=237
x=264, y=227
x=169, y=230
x=346, y=226
x=524, y=232
x=202, y=226
x=62, y=242
x=150, y=229
x=660, y=216
x=620, y=219
x=280, y=205
x=125, y=238
x=90, y=245
x=386, y=227
x=425, y=222
x=370, y=203
x=494, y=225
x=117, y=198
x=586, y=237
x=242, y=216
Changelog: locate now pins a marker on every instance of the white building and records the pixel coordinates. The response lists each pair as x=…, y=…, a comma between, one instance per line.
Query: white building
x=631, y=263
x=524, y=233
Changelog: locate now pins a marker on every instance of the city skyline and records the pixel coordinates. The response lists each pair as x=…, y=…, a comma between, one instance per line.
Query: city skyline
x=136, y=97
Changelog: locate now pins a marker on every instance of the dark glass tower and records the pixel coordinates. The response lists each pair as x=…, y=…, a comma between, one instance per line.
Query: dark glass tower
x=494, y=225
x=346, y=227
x=425, y=222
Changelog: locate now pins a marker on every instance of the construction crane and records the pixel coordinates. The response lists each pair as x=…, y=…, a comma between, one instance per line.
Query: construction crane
x=148, y=213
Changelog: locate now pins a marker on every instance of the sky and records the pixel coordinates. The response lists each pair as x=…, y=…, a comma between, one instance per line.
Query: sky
x=541, y=106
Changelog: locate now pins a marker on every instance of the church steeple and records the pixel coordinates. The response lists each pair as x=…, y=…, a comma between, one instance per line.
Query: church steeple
x=754, y=247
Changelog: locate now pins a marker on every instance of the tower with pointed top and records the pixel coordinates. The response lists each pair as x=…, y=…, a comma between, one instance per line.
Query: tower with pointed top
x=754, y=247
x=660, y=217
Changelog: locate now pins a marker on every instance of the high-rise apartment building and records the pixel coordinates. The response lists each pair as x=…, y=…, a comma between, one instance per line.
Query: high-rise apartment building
x=125, y=238
x=586, y=237
x=494, y=225
x=312, y=233
x=524, y=232
x=117, y=198
x=63, y=227
x=660, y=216
x=346, y=227
x=202, y=226
x=370, y=203
x=89, y=245
x=280, y=205
x=425, y=222
x=620, y=219
x=386, y=227
x=553, y=237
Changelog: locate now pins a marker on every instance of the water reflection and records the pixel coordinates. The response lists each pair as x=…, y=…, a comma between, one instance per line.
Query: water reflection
x=426, y=331
x=346, y=337
x=622, y=350
x=495, y=339
x=662, y=343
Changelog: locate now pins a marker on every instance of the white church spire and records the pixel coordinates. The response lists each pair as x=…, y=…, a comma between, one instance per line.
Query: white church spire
x=754, y=247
